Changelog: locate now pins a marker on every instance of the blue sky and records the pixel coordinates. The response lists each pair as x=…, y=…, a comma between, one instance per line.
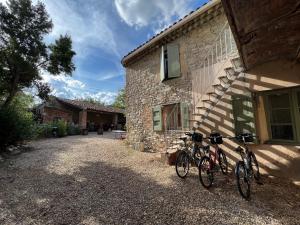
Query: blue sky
x=103, y=31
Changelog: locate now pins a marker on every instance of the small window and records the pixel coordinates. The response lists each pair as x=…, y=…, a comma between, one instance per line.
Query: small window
x=171, y=117
x=281, y=125
x=170, y=63
x=283, y=113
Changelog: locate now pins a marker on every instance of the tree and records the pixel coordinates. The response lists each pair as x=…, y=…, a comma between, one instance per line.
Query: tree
x=23, y=53
x=92, y=100
x=120, y=100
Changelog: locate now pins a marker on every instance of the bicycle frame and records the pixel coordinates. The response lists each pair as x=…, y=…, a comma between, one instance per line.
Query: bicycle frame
x=245, y=155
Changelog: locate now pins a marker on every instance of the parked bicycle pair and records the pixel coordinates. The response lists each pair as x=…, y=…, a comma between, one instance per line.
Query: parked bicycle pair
x=211, y=162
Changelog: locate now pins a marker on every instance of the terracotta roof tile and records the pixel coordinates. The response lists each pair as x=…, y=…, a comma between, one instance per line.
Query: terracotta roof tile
x=90, y=106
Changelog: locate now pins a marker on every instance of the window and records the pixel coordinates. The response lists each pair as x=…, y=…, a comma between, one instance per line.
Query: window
x=243, y=113
x=283, y=113
x=170, y=63
x=171, y=117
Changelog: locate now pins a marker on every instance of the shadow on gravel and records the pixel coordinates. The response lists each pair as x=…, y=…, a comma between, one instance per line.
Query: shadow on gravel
x=102, y=194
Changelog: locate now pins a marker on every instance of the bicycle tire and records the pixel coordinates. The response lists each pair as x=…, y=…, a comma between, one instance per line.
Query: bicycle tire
x=242, y=180
x=182, y=157
x=204, y=166
x=253, y=162
x=223, y=162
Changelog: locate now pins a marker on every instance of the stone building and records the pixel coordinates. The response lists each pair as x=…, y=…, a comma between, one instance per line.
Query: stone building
x=85, y=114
x=232, y=75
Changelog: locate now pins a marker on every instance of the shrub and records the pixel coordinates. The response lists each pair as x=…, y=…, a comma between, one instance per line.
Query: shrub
x=16, y=121
x=43, y=130
x=61, y=128
x=73, y=129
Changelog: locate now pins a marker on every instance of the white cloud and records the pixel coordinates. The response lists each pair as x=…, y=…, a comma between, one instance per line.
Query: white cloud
x=86, y=22
x=141, y=13
x=109, y=76
x=69, y=87
x=106, y=97
x=67, y=81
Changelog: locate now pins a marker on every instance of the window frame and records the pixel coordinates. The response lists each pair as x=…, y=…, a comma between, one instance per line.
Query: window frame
x=180, y=112
x=294, y=106
x=165, y=62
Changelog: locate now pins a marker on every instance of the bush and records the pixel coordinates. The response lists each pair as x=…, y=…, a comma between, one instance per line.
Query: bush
x=16, y=121
x=73, y=129
x=43, y=130
x=61, y=128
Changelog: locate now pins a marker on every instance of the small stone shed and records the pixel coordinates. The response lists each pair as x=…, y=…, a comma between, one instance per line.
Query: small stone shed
x=85, y=114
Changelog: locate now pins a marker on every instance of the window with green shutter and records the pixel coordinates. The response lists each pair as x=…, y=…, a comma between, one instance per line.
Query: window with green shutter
x=243, y=113
x=171, y=117
x=157, y=118
x=170, y=62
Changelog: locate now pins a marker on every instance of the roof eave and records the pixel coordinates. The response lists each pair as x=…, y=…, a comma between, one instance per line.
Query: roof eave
x=169, y=30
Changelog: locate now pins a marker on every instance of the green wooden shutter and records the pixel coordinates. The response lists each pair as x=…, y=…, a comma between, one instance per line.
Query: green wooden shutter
x=162, y=64
x=243, y=113
x=185, y=116
x=157, y=118
x=173, y=61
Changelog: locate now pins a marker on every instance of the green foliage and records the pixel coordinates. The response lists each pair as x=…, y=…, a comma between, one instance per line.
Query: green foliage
x=16, y=121
x=120, y=100
x=61, y=128
x=92, y=100
x=73, y=129
x=23, y=52
x=43, y=130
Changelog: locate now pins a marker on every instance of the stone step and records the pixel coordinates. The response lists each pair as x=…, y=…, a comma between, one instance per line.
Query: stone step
x=238, y=64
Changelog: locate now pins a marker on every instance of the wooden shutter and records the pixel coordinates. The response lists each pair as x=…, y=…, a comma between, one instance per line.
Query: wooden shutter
x=243, y=113
x=157, y=118
x=185, y=115
x=162, y=64
x=173, y=61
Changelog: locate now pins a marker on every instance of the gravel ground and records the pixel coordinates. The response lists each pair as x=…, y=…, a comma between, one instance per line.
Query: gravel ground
x=98, y=180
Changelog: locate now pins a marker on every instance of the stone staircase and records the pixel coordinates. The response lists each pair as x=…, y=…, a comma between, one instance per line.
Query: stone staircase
x=217, y=71
x=216, y=92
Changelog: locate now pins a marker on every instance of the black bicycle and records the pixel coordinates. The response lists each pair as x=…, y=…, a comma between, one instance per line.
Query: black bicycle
x=215, y=161
x=189, y=154
x=247, y=168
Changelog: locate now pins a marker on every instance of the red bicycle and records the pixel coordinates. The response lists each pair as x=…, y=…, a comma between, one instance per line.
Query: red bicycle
x=214, y=162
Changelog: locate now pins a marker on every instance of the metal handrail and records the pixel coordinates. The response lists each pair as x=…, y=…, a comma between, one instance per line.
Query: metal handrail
x=219, y=57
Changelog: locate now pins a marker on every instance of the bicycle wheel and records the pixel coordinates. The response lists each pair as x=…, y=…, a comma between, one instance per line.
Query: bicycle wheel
x=223, y=162
x=206, y=177
x=254, y=166
x=243, y=182
x=182, y=165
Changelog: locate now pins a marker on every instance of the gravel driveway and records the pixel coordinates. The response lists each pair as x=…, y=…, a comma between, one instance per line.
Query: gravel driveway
x=98, y=180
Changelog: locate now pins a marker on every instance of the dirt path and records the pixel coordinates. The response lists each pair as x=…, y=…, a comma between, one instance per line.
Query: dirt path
x=98, y=180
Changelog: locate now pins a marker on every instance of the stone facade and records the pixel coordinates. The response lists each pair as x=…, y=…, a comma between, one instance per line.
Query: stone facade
x=144, y=90
x=50, y=114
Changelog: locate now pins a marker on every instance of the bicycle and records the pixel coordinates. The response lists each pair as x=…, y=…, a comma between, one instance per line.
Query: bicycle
x=247, y=168
x=187, y=156
x=213, y=163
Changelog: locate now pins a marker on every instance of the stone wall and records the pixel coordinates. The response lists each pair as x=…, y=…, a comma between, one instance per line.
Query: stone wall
x=49, y=114
x=144, y=90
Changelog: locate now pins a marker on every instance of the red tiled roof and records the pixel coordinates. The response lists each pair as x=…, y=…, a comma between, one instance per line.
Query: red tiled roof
x=90, y=106
x=179, y=22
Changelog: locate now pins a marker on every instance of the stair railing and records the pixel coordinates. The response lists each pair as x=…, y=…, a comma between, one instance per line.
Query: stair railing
x=222, y=49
